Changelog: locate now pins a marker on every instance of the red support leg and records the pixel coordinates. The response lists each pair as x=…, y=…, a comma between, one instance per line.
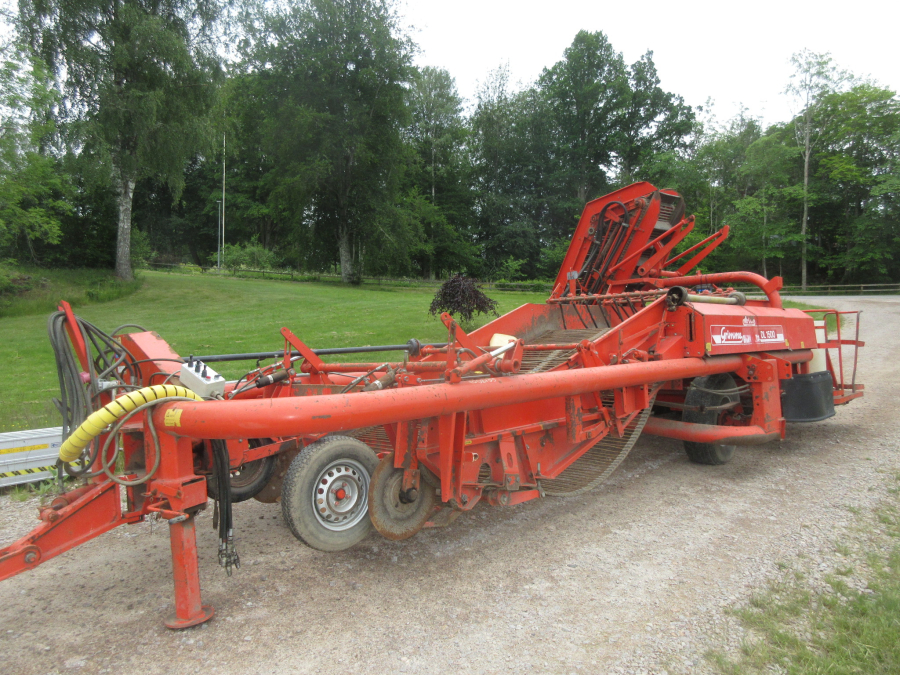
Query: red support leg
x=186, y=572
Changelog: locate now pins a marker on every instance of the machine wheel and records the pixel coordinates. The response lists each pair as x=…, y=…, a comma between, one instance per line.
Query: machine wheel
x=708, y=453
x=248, y=479
x=393, y=514
x=325, y=495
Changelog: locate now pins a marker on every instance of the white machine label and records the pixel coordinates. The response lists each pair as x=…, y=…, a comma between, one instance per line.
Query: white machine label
x=747, y=334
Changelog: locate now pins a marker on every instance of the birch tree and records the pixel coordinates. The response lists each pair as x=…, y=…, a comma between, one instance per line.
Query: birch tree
x=138, y=77
x=813, y=78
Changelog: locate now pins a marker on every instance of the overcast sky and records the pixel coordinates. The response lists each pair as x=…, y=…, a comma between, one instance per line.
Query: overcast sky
x=734, y=53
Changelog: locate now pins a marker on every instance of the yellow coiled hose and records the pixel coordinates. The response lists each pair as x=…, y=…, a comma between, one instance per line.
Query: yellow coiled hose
x=94, y=425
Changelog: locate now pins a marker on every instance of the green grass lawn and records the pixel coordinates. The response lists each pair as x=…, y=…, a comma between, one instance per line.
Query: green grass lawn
x=215, y=315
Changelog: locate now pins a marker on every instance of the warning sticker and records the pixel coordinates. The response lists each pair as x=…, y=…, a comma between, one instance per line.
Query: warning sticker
x=749, y=333
x=172, y=417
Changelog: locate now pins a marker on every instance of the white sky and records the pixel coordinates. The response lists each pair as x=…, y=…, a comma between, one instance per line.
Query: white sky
x=735, y=53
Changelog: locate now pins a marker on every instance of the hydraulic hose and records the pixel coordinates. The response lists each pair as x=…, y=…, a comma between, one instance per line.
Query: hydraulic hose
x=107, y=360
x=94, y=425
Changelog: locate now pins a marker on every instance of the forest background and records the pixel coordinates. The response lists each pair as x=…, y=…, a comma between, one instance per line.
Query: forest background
x=122, y=120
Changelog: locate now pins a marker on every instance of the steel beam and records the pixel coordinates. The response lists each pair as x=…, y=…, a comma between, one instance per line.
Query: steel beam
x=295, y=416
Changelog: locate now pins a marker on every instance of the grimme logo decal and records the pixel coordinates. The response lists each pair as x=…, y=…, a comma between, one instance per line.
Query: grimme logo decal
x=748, y=333
x=730, y=335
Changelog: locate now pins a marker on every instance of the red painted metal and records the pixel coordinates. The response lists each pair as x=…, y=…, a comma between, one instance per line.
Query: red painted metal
x=298, y=416
x=90, y=514
x=189, y=610
x=844, y=392
x=708, y=433
x=704, y=248
x=768, y=286
x=75, y=336
x=607, y=344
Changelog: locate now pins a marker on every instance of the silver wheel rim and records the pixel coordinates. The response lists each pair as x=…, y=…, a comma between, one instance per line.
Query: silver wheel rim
x=340, y=495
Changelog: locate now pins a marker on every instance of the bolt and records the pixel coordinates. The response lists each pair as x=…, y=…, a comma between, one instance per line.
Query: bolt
x=30, y=557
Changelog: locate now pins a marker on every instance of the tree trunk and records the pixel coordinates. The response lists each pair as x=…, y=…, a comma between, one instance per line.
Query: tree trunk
x=195, y=256
x=582, y=194
x=348, y=271
x=123, y=241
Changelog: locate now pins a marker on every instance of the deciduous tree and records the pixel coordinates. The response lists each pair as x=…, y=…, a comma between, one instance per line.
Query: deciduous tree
x=814, y=76
x=138, y=77
x=333, y=74
x=33, y=187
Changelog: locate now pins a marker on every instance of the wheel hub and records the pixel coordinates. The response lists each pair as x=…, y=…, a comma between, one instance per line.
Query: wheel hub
x=339, y=499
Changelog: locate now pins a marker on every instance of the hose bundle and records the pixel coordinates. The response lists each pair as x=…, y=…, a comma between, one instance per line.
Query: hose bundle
x=108, y=363
x=111, y=367
x=222, y=517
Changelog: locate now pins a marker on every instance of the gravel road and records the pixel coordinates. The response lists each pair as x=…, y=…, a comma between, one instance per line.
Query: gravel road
x=634, y=577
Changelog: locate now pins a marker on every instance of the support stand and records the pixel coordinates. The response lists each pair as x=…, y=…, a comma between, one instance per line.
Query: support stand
x=186, y=573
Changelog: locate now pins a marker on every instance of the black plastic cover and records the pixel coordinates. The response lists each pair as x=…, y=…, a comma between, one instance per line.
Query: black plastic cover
x=807, y=398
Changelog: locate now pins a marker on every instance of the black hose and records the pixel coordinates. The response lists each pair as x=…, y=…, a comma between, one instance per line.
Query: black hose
x=107, y=359
x=228, y=556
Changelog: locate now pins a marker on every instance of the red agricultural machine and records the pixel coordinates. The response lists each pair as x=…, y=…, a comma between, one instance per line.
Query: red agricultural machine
x=546, y=400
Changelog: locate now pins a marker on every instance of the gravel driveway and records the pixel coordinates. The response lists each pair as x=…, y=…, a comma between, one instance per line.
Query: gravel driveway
x=634, y=577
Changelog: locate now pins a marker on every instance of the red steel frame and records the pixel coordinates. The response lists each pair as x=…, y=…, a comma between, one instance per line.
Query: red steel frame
x=458, y=409
x=843, y=393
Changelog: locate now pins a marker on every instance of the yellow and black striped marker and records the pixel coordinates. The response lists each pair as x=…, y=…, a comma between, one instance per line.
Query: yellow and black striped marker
x=25, y=472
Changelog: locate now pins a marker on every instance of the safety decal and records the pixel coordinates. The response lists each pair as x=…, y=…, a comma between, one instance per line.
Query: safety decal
x=173, y=417
x=25, y=472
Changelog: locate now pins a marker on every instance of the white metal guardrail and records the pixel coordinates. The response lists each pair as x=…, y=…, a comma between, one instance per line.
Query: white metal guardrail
x=28, y=456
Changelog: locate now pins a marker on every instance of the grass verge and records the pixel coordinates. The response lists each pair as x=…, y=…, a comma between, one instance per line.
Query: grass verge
x=852, y=625
x=36, y=290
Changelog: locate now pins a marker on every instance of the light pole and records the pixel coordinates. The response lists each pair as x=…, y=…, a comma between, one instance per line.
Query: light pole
x=219, y=232
x=223, y=192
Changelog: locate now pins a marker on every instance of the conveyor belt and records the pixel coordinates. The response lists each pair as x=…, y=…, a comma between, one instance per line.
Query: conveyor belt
x=596, y=465
x=375, y=437
x=538, y=361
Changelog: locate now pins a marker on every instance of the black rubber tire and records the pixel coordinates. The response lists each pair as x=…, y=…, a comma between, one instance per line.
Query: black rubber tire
x=304, y=477
x=393, y=518
x=249, y=479
x=708, y=453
